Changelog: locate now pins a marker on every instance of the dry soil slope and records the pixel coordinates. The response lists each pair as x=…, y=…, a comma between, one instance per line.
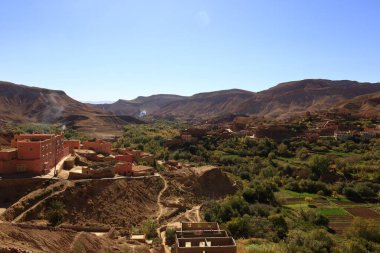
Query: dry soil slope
x=288, y=99
x=15, y=238
x=365, y=104
x=24, y=104
x=105, y=203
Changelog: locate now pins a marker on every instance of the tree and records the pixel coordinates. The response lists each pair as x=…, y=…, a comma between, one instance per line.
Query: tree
x=319, y=165
x=149, y=228
x=240, y=227
x=56, y=212
x=170, y=236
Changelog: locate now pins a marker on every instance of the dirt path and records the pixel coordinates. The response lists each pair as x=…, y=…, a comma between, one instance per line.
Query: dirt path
x=160, y=205
x=160, y=213
x=73, y=244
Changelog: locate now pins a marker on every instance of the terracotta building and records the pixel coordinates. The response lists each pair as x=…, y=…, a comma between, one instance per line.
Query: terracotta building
x=203, y=237
x=72, y=144
x=98, y=146
x=32, y=153
x=124, y=168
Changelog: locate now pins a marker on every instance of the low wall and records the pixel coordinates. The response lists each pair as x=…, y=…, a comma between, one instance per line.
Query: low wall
x=78, y=228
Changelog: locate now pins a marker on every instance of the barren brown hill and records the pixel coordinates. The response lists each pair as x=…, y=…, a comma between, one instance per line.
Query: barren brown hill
x=207, y=181
x=24, y=104
x=208, y=104
x=366, y=104
x=148, y=105
x=283, y=100
x=119, y=203
x=288, y=99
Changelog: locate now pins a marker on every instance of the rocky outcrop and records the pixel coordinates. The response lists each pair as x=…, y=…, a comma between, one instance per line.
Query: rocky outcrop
x=207, y=181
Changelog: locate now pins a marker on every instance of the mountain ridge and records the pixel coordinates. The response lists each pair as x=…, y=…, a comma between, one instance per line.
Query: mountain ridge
x=25, y=104
x=21, y=103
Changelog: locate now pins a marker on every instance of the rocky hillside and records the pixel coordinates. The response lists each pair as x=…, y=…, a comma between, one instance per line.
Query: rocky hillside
x=106, y=203
x=24, y=104
x=283, y=100
x=208, y=104
x=20, y=103
x=140, y=105
x=207, y=181
x=365, y=104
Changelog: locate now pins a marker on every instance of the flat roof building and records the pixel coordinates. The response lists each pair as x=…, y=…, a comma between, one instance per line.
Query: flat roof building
x=203, y=237
x=33, y=153
x=98, y=146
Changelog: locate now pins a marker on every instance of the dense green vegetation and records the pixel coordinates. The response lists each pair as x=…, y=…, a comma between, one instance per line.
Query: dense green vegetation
x=270, y=173
x=29, y=128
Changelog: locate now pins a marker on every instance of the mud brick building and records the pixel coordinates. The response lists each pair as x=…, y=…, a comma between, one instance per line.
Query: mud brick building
x=98, y=146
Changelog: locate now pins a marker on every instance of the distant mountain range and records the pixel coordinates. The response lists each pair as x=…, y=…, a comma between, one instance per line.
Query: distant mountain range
x=282, y=101
x=20, y=103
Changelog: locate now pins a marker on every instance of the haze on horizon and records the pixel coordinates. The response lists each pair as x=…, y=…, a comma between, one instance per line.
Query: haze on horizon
x=110, y=49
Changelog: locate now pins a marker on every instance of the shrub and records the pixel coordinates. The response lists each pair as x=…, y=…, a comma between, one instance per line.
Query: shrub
x=313, y=217
x=364, y=229
x=279, y=225
x=316, y=241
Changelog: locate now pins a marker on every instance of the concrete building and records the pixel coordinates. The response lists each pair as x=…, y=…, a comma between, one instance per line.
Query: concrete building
x=203, y=237
x=33, y=153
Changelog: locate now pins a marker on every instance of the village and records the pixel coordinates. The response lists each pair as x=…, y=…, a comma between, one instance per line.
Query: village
x=311, y=127
x=52, y=157
x=50, y=154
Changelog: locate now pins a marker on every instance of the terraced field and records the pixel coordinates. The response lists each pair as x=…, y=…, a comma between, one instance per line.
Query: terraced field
x=340, y=212
x=363, y=212
x=338, y=223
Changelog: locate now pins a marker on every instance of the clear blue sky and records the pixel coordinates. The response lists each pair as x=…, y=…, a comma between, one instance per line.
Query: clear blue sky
x=110, y=49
